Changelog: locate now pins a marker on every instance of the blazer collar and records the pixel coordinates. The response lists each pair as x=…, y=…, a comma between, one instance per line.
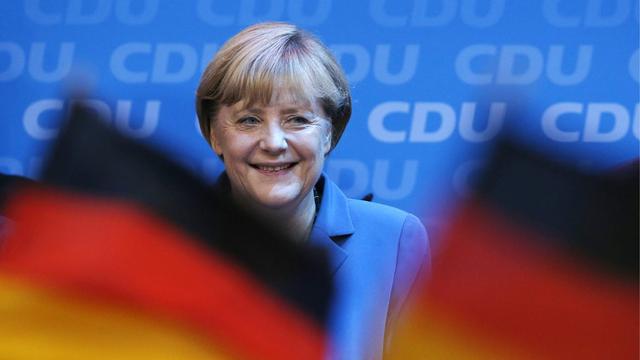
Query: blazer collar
x=334, y=216
x=333, y=221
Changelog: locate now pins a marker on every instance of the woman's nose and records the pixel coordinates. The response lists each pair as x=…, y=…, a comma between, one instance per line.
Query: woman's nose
x=273, y=139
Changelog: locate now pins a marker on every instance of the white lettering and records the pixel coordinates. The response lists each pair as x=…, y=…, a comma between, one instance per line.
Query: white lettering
x=37, y=60
x=603, y=122
x=31, y=119
x=463, y=64
x=408, y=69
x=34, y=12
x=150, y=119
x=336, y=168
x=507, y=63
x=494, y=122
x=147, y=14
x=580, y=72
x=469, y=16
x=520, y=64
x=593, y=14
x=118, y=60
x=595, y=18
x=421, y=113
x=419, y=17
x=204, y=11
x=432, y=13
x=77, y=15
x=550, y=121
x=16, y=61
x=550, y=9
x=434, y=122
x=169, y=62
x=380, y=181
x=143, y=127
x=376, y=121
x=379, y=15
x=361, y=60
x=189, y=63
x=98, y=11
x=593, y=131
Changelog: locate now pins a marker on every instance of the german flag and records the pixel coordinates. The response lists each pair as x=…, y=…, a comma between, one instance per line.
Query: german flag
x=541, y=263
x=119, y=253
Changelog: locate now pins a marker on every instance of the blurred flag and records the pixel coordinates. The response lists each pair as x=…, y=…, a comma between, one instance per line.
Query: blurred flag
x=119, y=254
x=540, y=263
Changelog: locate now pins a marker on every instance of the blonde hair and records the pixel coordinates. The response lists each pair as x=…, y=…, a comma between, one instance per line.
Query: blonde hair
x=268, y=55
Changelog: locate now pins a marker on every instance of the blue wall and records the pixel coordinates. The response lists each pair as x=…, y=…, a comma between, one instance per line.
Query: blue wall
x=433, y=81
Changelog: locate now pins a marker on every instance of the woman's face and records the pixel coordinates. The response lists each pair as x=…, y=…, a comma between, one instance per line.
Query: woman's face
x=273, y=154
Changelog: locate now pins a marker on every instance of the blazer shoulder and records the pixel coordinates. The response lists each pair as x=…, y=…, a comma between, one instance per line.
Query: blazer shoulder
x=387, y=215
x=378, y=212
x=409, y=231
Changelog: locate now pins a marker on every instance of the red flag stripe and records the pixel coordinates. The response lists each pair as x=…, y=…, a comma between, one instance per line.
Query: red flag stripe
x=109, y=249
x=497, y=278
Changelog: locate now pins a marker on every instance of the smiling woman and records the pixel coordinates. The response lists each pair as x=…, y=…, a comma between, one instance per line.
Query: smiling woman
x=272, y=104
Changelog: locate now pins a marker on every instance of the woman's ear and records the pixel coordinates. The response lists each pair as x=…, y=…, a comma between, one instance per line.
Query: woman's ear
x=326, y=146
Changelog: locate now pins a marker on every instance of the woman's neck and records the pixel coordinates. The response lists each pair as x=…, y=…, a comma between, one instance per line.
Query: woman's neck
x=296, y=220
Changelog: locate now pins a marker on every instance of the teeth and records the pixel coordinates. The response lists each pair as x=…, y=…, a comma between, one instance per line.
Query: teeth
x=273, y=168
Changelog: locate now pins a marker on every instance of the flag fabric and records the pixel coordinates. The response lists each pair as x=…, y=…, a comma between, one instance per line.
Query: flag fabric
x=540, y=263
x=118, y=253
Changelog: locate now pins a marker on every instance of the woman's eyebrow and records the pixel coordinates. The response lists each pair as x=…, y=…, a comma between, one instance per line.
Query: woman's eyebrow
x=297, y=110
x=285, y=111
x=253, y=110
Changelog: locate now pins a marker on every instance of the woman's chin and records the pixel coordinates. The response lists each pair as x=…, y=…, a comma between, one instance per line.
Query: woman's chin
x=281, y=196
x=277, y=202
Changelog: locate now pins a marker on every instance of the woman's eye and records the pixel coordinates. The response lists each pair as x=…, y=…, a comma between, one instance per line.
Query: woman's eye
x=298, y=120
x=248, y=120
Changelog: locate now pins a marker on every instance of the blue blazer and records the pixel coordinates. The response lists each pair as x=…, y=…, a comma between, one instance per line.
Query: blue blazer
x=376, y=253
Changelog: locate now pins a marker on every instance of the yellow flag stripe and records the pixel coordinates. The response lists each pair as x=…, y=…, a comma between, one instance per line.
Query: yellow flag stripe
x=38, y=324
x=428, y=335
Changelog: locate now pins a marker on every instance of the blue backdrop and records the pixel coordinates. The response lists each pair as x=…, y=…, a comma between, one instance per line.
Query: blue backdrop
x=432, y=80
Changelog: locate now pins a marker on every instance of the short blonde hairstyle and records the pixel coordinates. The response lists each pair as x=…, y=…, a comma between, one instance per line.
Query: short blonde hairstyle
x=268, y=55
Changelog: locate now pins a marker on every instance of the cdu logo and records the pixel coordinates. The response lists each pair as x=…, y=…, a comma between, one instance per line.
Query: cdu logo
x=591, y=13
x=246, y=12
x=591, y=122
x=354, y=177
x=164, y=63
x=433, y=122
x=40, y=113
x=523, y=64
x=44, y=62
x=358, y=62
x=433, y=13
x=93, y=12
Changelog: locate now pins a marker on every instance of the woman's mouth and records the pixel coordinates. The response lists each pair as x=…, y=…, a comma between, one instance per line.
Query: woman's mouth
x=273, y=169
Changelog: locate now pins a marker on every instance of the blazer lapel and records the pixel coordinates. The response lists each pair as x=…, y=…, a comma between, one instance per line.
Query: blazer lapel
x=333, y=221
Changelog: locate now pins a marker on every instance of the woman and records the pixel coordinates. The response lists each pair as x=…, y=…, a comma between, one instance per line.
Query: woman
x=272, y=104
